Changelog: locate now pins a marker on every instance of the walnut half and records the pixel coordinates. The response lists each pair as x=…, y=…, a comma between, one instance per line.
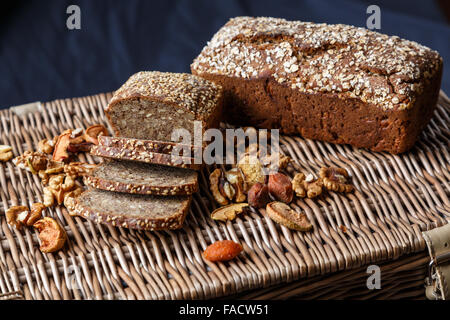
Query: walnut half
x=307, y=186
x=335, y=179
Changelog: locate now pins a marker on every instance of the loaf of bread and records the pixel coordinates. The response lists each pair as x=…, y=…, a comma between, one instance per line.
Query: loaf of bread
x=334, y=83
x=134, y=211
x=151, y=105
x=142, y=178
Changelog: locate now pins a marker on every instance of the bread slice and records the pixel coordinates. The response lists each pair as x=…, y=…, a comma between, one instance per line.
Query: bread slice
x=142, y=178
x=134, y=211
x=151, y=105
x=145, y=157
x=146, y=146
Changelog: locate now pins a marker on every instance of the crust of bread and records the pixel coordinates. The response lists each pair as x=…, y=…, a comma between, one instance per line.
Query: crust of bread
x=147, y=157
x=134, y=188
x=146, y=146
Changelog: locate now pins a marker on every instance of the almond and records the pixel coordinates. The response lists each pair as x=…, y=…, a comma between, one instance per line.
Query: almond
x=222, y=251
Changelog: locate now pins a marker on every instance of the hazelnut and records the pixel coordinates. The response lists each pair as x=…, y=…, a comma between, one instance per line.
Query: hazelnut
x=280, y=187
x=258, y=195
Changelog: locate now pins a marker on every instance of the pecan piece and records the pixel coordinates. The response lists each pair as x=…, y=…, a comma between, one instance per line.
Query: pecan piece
x=335, y=179
x=306, y=186
x=280, y=187
x=51, y=234
x=214, y=182
x=285, y=215
x=236, y=178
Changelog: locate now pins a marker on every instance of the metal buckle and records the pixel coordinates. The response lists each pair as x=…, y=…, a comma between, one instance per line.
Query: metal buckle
x=443, y=258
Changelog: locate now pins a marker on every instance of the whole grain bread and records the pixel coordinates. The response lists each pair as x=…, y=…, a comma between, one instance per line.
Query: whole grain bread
x=335, y=83
x=151, y=105
x=142, y=178
x=132, y=211
x=149, y=146
x=145, y=157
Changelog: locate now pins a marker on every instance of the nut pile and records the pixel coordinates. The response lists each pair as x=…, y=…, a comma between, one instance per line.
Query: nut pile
x=246, y=181
x=51, y=233
x=52, y=163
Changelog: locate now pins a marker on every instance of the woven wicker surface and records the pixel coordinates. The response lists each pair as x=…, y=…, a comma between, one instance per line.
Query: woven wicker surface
x=396, y=198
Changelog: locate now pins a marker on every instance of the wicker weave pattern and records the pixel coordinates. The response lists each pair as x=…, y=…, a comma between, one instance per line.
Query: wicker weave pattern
x=396, y=198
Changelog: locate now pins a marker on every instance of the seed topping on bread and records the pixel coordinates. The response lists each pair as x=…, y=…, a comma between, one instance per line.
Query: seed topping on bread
x=337, y=59
x=192, y=93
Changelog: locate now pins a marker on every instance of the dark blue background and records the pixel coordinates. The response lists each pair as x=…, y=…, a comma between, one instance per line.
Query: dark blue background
x=40, y=59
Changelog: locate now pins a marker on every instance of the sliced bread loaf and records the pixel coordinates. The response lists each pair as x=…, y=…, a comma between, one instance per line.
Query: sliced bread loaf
x=146, y=146
x=151, y=105
x=132, y=211
x=142, y=178
x=146, y=157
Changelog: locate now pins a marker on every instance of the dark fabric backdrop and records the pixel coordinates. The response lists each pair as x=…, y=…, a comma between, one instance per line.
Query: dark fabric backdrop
x=41, y=60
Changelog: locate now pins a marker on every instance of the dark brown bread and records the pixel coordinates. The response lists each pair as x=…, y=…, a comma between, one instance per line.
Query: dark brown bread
x=132, y=211
x=335, y=83
x=142, y=178
x=151, y=105
x=145, y=157
x=149, y=146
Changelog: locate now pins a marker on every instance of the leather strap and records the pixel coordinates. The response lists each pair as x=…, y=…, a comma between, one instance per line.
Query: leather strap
x=438, y=281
